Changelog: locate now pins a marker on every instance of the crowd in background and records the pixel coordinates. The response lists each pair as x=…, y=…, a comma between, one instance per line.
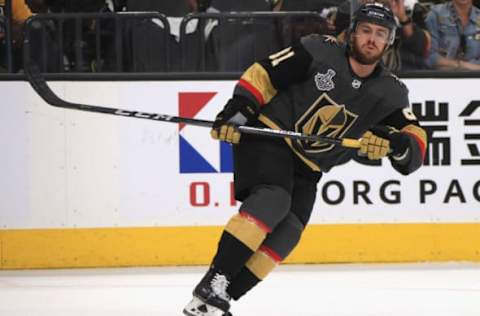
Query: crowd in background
x=441, y=35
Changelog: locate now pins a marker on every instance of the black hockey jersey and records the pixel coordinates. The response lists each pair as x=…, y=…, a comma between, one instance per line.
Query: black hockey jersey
x=311, y=88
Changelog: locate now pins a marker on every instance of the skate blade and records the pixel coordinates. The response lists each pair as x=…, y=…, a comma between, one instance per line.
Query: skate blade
x=197, y=307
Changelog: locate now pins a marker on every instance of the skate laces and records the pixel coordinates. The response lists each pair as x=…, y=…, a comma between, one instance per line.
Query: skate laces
x=219, y=285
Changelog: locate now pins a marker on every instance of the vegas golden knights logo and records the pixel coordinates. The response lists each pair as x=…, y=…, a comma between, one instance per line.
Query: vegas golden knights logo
x=325, y=118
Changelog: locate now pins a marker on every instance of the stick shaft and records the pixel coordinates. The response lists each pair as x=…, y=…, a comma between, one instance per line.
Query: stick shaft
x=39, y=84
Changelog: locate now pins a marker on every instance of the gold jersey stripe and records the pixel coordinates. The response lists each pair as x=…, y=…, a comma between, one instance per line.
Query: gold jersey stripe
x=247, y=231
x=265, y=120
x=258, y=77
x=261, y=264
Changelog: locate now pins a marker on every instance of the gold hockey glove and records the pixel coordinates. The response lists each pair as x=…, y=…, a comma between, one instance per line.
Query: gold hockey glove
x=381, y=141
x=227, y=133
x=237, y=111
x=373, y=146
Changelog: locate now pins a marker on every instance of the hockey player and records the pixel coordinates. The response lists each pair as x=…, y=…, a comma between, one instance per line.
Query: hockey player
x=316, y=87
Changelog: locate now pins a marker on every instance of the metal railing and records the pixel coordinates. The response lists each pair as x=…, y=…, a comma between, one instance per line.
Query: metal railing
x=87, y=42
x=145, y=42
x=232, y=41
x=145, y=45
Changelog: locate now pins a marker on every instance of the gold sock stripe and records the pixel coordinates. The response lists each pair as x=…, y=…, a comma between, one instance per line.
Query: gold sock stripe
x=246, y=230
x=261, y=264
x=258, y=77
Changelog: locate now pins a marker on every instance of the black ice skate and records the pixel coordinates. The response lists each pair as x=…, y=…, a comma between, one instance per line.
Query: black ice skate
x=210, y=296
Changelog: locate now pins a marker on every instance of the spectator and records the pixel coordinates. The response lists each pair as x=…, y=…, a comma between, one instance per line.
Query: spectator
x=455, y=36
x=411, y=45
x=20, y=13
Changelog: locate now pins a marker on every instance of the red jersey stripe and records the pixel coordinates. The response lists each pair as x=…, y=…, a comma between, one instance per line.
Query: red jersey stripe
x=254, y=91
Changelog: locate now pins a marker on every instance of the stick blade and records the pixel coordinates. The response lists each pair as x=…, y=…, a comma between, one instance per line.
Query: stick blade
x=39, y=84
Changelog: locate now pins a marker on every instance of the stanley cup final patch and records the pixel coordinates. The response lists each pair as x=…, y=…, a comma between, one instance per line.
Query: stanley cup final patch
x=324, y=82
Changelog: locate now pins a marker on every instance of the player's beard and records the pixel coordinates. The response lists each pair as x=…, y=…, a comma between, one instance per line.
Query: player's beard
x=361, y=57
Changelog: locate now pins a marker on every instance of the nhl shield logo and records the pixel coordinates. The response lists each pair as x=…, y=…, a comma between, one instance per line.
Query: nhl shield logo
x=356, y=83
x=324, y=82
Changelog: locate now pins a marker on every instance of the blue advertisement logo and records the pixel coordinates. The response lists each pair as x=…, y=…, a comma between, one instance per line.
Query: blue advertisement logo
x=191, y=160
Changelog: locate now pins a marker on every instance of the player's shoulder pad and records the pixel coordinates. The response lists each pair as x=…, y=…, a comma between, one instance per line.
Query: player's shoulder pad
x=329, y=39
x=395, y=81
x=320, y=39
x=316, y=43
x=398, y=81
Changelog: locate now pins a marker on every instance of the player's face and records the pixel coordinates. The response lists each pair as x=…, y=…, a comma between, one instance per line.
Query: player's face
x=369, y=42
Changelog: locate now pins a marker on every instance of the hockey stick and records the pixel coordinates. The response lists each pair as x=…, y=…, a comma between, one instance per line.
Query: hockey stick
x=39, y=84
